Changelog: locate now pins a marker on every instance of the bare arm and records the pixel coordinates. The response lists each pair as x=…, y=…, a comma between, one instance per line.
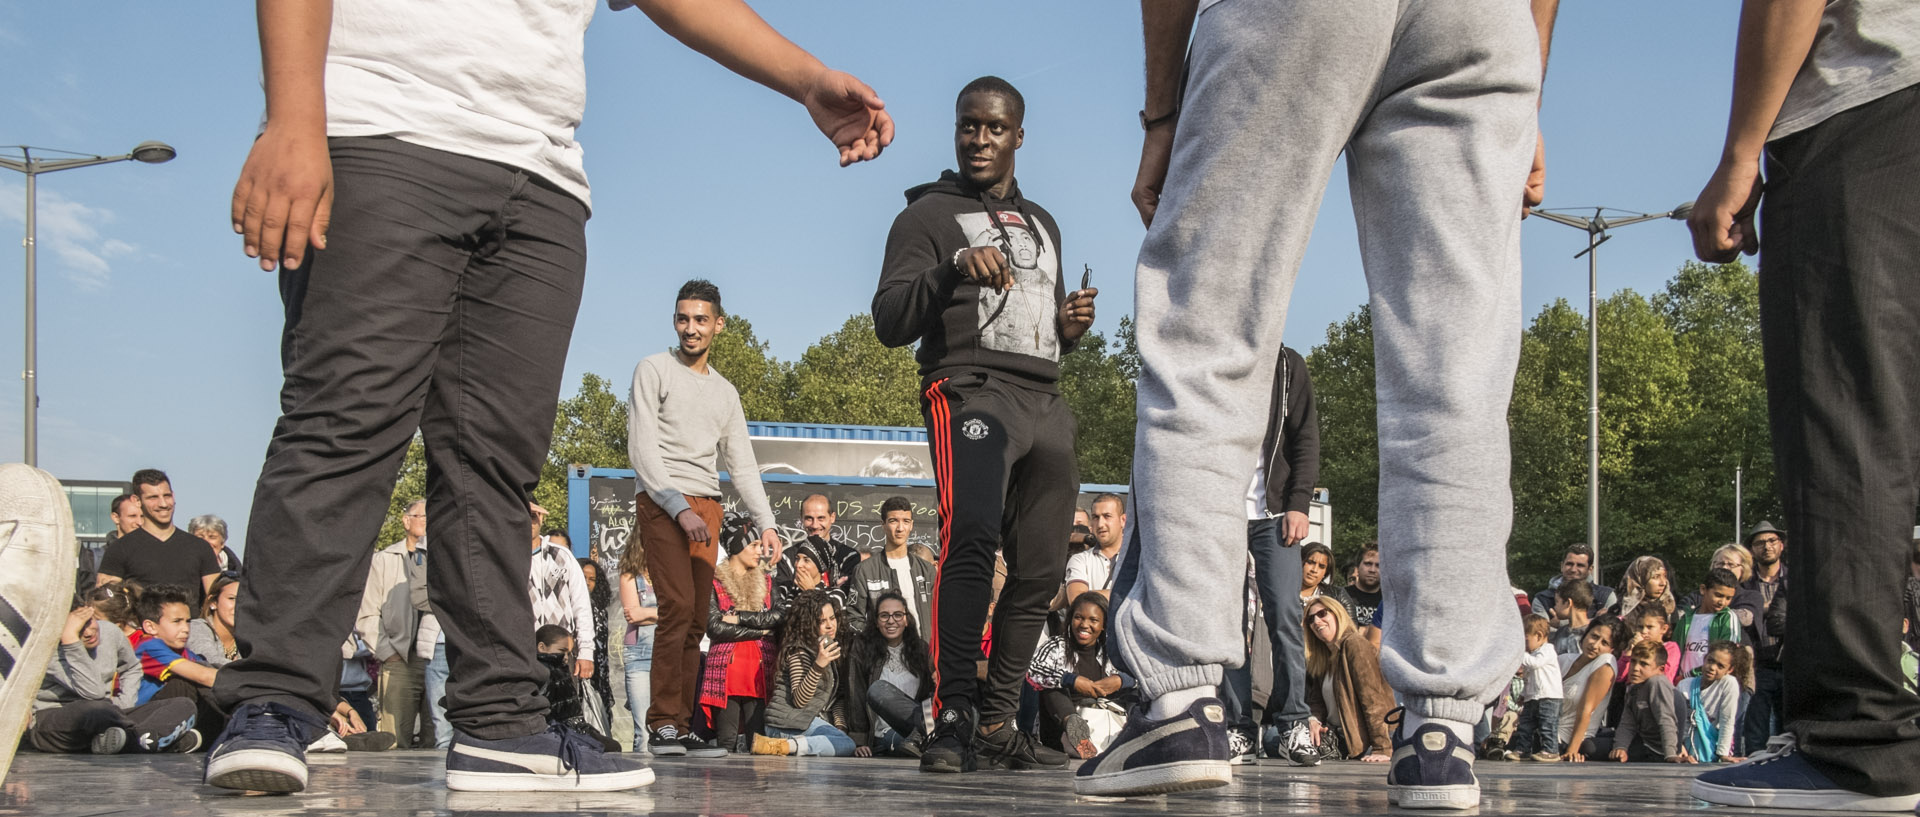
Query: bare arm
x=285, y=193
x=1775, y=37
x=1166, y=26
x=730, y=33
x=1544, y=14
x=194, y=671
x=1597, y=689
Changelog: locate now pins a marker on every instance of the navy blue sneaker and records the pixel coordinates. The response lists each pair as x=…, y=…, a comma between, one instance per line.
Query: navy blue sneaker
x=1431, y=769
x=263, y=749
x=1188, y=751
x=558, y=759
x=1782, y=778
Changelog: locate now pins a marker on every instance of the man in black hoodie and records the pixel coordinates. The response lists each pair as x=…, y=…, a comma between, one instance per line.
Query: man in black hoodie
x=972, y=271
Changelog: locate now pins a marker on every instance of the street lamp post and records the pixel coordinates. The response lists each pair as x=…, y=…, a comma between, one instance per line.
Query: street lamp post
x=1596, y=227
x=148, y=152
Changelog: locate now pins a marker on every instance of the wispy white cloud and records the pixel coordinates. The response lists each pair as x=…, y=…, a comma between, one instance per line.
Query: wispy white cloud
x=71, y=232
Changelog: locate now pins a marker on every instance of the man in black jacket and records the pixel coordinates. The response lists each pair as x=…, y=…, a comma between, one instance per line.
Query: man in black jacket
x=1277, y=502
x=973, y=272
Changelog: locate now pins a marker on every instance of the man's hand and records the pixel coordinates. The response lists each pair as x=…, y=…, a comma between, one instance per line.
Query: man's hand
x=862, y=751
x=1722, y=217
x=850, y=114
x=1156, y=152
x=284, y=198
x=692, y=525
x=583, y=668
x=1618, y=754
x=1076, y=315
x=1293, y=528
x=985, y=266
x=1536, y=191
x=806, y=575
x=770, y=543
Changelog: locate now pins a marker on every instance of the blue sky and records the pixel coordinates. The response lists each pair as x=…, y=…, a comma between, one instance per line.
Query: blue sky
x=158, y=339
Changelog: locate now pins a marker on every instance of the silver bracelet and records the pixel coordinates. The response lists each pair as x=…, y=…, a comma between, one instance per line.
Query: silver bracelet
x=955, y=260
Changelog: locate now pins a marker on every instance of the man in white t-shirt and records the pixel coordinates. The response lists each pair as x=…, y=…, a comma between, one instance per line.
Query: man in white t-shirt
x=896, y=569
x=417, y=184
x=1092, y=569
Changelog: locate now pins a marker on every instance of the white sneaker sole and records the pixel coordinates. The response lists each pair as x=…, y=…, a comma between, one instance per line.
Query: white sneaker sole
x=38, y=558
x=1160, y=778
x=528, y=781
x=1434, y=797
x=257, y=770
x=1828, y=800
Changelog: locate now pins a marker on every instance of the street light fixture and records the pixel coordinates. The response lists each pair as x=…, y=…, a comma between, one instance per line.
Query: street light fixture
x=1596, y=227
x=152, y=153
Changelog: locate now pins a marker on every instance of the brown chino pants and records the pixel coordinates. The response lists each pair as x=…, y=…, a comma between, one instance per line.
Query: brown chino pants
x=682, y=575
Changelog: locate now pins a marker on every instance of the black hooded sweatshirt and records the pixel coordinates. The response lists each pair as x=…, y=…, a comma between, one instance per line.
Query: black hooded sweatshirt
x=961, y=327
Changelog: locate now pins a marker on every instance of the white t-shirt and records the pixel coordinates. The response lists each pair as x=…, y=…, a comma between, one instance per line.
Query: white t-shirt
x=500, y=80
x=1693, y=651
x=903, y=578
x=1090, y=566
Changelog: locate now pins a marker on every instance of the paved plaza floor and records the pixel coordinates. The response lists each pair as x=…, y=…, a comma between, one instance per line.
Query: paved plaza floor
x=410, y=783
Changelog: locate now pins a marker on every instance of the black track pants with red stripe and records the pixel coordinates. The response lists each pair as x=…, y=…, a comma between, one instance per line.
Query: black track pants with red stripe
x=1006, y=476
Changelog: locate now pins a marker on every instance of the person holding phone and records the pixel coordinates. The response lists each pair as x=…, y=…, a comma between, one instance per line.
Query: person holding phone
x=808, y=712
x=972, y=271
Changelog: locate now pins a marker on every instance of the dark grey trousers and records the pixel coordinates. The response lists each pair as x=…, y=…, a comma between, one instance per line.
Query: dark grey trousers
x=444, y=302
x=1840, y=327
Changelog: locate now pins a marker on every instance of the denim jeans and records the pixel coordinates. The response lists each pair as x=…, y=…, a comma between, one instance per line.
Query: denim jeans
x=820, y=738
x=639, y=672
x=1276, y=573
x=896, y=708
x=436, y=684
x=1539, y=727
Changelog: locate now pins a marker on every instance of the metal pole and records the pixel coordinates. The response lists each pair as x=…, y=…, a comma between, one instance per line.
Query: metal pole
x=32, y=450
x=1593, y=399
x=1738, y=523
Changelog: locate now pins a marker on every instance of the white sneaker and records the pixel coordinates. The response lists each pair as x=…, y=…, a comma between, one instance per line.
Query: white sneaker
x=38, y=557
x=328, y=743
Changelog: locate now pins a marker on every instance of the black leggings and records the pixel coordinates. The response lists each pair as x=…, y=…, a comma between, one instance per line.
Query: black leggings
x=71, y=728
x=743, y=715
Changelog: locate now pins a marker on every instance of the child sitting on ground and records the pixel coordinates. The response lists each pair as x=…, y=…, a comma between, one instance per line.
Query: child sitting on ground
x=1711, y=619
x=1712, y=704
x=1649, y=730
x=169, y=669
x=1536, y=736
x=554, y=649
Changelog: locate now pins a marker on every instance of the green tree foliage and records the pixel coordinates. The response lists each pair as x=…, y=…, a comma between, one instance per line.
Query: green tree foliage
x=411, y=485
x=1342, y=372
x=1682, y=403
x=1098, y=385
x=849, y=377
x=747, y=363
x=589, y=428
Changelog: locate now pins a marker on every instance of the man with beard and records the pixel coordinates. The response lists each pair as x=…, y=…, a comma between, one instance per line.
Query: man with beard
x=972, y=271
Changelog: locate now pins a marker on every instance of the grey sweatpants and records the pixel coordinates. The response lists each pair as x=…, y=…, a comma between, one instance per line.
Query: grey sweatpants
x=1433, y=102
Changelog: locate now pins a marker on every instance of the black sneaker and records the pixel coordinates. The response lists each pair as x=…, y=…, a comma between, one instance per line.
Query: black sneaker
x=110, y=741
x=262, y=749
x=1431, y=769
x=187, y=743
x=558, y=759
x=37, y=555
x=695, y=747
x=950, y=749
x=1009, y=748
x=1185, y=752
x=664, y=741
x=1240, y=741
x=371, y=741
x=1781, y=778
x=1296, y=743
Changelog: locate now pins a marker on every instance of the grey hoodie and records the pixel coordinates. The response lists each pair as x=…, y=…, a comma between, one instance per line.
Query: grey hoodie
x=78, y=674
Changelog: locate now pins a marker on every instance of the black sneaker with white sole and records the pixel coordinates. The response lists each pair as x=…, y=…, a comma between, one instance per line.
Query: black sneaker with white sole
x=111, y=741
x=696, y=747
x=264, y=748
x=38, y=552
x=1187, y=751
x=665, y=741
x=1431, y=768
x=558, y=759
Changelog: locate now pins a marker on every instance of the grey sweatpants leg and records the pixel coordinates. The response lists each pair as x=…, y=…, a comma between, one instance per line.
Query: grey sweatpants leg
x=1434, y=101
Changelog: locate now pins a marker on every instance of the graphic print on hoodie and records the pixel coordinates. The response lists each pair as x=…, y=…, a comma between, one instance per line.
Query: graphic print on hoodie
x=962, y=326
